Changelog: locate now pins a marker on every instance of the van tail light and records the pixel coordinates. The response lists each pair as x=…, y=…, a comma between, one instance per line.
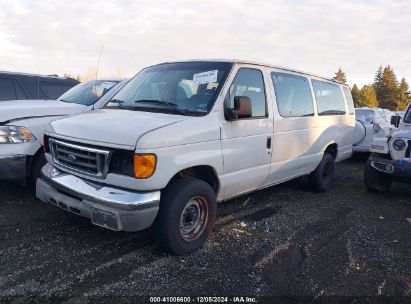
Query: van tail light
x=377, y=128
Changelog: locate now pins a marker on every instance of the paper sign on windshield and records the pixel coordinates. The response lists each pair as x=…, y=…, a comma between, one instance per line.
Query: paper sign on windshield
x=205, y=77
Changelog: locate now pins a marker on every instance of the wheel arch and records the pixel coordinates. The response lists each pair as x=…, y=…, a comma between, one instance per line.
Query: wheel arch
x=203, y=172
x=32, y=159
x=331, y=148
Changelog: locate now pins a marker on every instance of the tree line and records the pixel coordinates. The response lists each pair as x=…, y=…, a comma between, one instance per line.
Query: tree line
x=68, y=75
x=385, y=92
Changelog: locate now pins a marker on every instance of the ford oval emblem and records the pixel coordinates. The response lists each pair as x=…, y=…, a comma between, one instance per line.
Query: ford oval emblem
x=71, y=158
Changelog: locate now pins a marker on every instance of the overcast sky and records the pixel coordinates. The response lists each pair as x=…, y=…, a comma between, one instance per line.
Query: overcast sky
x=53, y=36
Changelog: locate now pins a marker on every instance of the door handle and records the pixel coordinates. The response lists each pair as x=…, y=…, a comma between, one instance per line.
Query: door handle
x=269, y=142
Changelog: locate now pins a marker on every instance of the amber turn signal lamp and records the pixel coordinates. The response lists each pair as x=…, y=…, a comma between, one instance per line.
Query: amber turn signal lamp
x=144, y=165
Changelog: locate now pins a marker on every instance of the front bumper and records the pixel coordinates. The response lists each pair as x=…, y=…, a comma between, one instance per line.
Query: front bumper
x=13, y=167
x=109, y=207
x=395, y=168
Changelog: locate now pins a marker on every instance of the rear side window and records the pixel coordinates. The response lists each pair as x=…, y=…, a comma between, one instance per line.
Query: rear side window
x=293, y=95
x=19, y=91
x=7, y=91
x=366, y=116
x=53, y=90
x=250, y=83
x=330, y=100
x=350, y=101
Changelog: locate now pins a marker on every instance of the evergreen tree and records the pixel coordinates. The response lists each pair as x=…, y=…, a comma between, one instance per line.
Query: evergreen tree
x=340, y=76
x=403, y=98
x=368, y=96
x=68, y=75
x=355, y=92
x=389, y=91
x=378, y=81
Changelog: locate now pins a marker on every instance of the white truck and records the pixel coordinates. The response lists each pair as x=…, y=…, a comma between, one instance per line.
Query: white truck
x=182, y=136
x=390, y=157
x=22, y=124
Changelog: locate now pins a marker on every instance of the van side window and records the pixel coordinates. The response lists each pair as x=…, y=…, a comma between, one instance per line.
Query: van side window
x=7, y=91
x=293, y=94
x=250, y=83
x=350, y=101
x=330, y=100
x=52, y=90
x=19, y=91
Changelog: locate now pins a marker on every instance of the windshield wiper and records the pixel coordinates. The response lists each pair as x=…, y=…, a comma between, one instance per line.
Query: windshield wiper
x=115, y=101
x=168, y=103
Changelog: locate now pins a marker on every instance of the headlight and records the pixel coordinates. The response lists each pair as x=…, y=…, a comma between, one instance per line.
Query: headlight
x=14, y=135
x=399, y=144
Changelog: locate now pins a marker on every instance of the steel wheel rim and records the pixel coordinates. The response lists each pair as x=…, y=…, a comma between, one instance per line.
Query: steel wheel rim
x=193, y=219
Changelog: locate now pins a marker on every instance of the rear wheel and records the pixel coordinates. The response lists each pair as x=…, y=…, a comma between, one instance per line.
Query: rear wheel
x=186, y=216
x=376, y=181
x=322, y=178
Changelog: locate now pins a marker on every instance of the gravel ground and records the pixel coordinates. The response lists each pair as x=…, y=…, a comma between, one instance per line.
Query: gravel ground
x=282, y=241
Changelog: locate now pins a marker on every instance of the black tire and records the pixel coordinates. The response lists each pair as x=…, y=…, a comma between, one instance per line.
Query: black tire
x=178, y=205
x=322, y=178
x=376, y=181
x=38, y=163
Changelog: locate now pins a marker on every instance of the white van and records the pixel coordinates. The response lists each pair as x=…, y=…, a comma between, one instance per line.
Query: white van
x=181, y=136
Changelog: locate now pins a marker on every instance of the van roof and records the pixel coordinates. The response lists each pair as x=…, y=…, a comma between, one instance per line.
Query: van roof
x=34, y=75
x=261, y=64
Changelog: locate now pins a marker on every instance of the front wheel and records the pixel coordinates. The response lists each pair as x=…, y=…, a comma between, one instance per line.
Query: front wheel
x=37, y=165
x=376, y=181
x=186, y=216
x=322, y=178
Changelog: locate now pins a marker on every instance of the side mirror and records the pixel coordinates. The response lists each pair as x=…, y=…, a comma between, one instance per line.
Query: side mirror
x=395, y=120
x=242, y=108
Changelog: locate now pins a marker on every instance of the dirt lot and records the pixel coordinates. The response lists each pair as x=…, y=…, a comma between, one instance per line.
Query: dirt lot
x=285, y=240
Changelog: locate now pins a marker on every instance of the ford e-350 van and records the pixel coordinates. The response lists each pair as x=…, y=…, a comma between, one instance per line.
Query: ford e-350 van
x=181, y=136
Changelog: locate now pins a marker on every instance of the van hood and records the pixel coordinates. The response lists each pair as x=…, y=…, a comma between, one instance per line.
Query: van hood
x=111, y=127
x=405, y=133
x=23, y=109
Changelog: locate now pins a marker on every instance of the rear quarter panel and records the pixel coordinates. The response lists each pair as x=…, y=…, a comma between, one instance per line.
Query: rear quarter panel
x=300, y=142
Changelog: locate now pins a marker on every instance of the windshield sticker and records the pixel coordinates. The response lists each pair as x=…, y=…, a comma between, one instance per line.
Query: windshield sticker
x=205, y=77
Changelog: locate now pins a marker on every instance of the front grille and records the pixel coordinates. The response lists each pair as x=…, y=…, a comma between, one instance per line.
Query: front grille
x=79, y=158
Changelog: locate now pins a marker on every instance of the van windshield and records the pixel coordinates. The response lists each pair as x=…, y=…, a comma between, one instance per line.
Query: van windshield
x=89, y=92
x=182, y=88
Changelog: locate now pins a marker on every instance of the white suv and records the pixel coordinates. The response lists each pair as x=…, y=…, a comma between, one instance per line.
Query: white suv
x=390, y=157
x=181, y=136
x=370, y=122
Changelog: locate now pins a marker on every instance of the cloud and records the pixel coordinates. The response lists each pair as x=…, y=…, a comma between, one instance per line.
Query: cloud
x=55, y=36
